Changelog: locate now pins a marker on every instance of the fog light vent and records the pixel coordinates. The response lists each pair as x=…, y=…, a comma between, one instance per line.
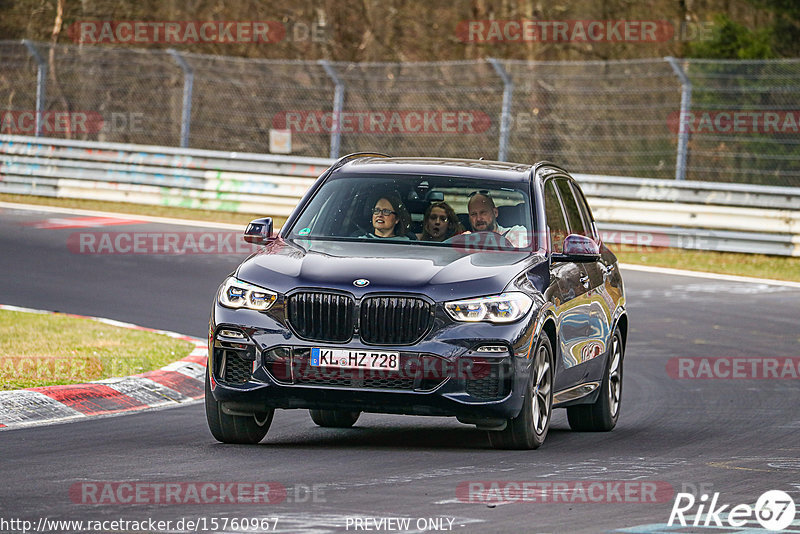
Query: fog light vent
x=232, y=334
x=492, y=348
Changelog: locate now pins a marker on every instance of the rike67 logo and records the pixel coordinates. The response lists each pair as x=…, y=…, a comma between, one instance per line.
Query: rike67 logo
x=774, y=510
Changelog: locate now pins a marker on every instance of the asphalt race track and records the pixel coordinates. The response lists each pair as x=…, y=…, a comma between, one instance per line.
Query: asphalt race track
x=735, y=437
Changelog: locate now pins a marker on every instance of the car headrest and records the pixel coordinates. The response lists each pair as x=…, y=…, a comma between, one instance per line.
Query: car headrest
x=415, y=206
x=512, y=215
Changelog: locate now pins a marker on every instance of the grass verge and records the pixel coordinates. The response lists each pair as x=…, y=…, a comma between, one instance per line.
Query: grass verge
x=46, y=350
x=756, y=265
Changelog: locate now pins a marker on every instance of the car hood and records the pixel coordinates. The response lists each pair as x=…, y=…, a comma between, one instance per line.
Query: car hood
x=442, y=273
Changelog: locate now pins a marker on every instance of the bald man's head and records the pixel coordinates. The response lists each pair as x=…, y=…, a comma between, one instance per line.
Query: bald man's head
x=482, y=213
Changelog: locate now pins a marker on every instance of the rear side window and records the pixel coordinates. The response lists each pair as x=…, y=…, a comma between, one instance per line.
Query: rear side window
x=555, y=218
x=576, y=224
x=585, y=212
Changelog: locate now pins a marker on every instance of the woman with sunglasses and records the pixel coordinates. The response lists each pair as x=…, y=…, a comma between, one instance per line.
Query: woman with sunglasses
x=389, y=219
x=440, y=223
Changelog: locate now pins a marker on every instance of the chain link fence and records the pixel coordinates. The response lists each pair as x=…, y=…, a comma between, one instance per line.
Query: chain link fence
x=764, y=147
x=602, y=117
x=726, y=121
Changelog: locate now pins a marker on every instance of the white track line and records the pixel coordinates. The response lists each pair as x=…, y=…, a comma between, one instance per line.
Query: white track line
x=145, y=218
x=712, y=276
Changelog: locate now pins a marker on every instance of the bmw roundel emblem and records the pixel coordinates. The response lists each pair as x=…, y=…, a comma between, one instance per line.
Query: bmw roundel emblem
x=361, y=282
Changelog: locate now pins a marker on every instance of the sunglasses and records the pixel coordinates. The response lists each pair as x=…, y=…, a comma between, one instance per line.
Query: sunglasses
x=483, y=192
x=384, y=212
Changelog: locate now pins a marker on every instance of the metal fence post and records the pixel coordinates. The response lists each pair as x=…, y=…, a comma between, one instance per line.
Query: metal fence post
x=338, y=105
x=505, y=117
x=41, y=81
x=683, y=132
x=188, y=85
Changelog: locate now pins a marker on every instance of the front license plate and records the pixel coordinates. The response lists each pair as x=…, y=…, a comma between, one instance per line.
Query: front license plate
x=355, y=359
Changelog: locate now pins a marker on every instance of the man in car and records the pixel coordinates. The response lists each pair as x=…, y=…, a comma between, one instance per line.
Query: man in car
x=483, y=218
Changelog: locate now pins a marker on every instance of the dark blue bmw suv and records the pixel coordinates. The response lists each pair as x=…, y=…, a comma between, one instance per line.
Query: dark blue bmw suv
x=422, y=286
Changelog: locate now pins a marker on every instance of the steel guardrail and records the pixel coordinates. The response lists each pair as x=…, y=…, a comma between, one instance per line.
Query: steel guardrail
x=690, y=192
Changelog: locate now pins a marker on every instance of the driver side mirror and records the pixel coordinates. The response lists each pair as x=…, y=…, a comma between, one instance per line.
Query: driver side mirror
x=578, y=248
x=259, y=231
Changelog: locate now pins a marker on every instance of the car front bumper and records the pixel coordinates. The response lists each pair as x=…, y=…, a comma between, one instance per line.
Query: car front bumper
x=443, y=374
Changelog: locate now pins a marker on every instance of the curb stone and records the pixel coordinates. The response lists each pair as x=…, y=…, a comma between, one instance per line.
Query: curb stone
x=178, y=383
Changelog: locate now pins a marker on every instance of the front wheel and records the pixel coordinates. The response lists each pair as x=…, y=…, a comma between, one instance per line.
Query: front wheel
x=334, y=418
x=529, y=428
x=245, y=429
x=602, y=416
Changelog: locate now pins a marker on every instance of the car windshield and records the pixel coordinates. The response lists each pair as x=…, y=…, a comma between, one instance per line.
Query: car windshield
x=419, y=210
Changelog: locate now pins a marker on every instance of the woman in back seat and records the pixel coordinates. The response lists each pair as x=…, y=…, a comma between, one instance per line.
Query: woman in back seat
x=440, y=223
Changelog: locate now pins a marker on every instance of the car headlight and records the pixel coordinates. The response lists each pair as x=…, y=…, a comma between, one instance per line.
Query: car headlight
x=505, y=308
x=237, y=294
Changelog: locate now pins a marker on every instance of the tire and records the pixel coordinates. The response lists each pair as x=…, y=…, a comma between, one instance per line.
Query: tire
x=235, y=428
x=528, y=429
x=334, y=418
x=602, y=416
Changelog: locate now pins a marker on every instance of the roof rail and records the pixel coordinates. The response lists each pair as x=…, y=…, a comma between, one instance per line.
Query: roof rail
x=549, y=164
x=344, y=159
